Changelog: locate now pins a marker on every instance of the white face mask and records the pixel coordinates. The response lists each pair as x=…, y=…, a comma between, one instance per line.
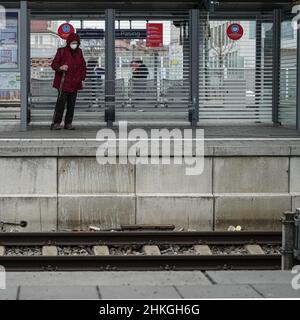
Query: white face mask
x=74, y=46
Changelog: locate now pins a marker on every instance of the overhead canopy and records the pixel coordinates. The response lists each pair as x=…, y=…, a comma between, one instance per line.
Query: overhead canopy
x=222, y=5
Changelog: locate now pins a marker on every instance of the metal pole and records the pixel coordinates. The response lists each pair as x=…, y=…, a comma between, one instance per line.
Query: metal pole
x=287, y=257
x=298, y=82
x=29, y=67
x=194, y=65
x=204, y=45
x=258, y=61
x=297, y=235
x=276, y=63
x=156, y=76
x=24, y=61
x=109, y=66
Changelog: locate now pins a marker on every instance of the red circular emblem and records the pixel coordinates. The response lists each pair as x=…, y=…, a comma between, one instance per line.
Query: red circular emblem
x=235, y=31
x=64, y=30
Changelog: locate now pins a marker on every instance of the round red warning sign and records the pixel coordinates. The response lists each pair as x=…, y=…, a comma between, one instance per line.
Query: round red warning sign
x=64, y=30
x=235, y=31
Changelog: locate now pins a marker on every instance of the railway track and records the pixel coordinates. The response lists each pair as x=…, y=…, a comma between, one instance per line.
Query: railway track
x=140, y=250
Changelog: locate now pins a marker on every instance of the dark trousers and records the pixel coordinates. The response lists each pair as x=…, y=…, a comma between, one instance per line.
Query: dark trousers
x=68, y=98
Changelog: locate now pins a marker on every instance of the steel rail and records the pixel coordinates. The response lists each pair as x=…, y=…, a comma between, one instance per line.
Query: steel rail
x=138, y=238
x=125, y=263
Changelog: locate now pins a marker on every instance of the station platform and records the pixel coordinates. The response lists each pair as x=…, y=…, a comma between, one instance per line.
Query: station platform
x=220, y=139
x=217, y=130
x=150, y=285
x=53, y=180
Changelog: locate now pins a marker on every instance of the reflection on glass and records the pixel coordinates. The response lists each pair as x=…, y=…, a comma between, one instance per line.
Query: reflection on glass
x=9, y=77
x=9, y=42
x=9, y=86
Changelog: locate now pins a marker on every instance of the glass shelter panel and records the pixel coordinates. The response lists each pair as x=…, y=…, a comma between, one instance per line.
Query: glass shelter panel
x=288, y=74
x=44, y=43
x=235, y=75
x=9, y=59
x=152, y=67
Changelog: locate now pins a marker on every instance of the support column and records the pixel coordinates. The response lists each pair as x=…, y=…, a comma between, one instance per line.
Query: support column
x=298, y=82
x=276, y=63
x=109, y=66
x=258, y=61
x=194, y=66
x=24, y=63
x=287, y=257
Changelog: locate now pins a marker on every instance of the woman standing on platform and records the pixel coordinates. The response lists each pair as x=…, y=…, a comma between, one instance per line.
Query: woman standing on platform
x=70, y=70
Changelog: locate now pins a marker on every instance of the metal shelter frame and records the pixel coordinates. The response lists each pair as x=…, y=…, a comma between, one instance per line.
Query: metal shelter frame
x=194, y=12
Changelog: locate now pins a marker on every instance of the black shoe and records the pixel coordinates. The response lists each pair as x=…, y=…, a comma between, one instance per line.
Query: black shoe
x=55, y=126
x=69, y=127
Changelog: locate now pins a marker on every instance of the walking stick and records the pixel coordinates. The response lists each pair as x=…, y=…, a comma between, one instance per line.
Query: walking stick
x=61, y=84
x=58, y=97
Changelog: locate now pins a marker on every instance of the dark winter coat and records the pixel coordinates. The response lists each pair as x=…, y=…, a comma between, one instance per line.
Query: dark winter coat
x=75, y=61
x=141, y=72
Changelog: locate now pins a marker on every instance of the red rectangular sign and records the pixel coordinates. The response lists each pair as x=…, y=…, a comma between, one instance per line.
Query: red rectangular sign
x=154, y=35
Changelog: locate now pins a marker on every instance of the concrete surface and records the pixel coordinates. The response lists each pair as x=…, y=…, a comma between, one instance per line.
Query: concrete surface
x=28, y=176
x=296, y=202
x=254, y=277
x=52, y=180
x=101, y=250
x=85, y=175
x=107, y=211
x=277, y=291
x=218, y=292
x=295, y=174
x=2, y=250
x=172, y=179
x=49, y=251
x=251, y=174
x=254, y=249
x=191, y=212
x=202, y=249
x=142, y=292
x=109, y=278
x=58, y=293
x=150, y=285
x=251, y=211
x=151, y=250
x=39, y=211
x=11, y=293
x=246, y=130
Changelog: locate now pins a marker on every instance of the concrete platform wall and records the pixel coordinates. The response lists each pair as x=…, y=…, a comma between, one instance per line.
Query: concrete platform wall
x=67, y=192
